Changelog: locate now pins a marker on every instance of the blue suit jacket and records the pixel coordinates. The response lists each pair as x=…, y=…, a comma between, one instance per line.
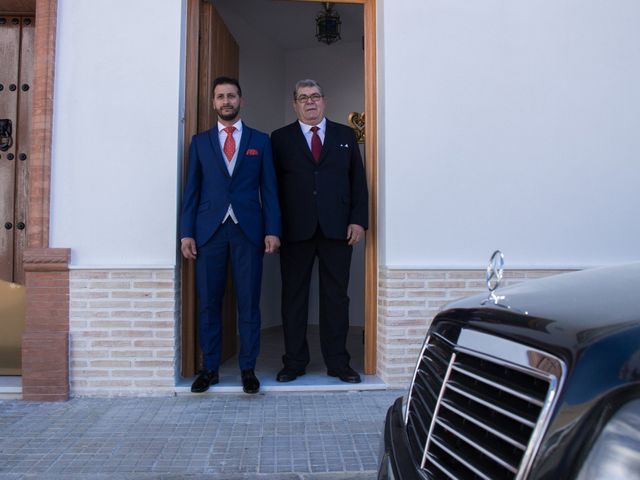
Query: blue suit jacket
x=251, y=190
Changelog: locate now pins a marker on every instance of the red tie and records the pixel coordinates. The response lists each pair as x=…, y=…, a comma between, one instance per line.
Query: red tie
x=229, y=143
x=316, y=144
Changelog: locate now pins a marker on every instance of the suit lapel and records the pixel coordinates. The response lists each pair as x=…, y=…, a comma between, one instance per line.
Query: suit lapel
x=218, y=157
x=301, y=141
x=329, y=141
x=242, y=149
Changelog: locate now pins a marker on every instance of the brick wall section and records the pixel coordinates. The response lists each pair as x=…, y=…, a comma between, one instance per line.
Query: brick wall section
x=407, y=302
x=45, y=360
x=123, y=332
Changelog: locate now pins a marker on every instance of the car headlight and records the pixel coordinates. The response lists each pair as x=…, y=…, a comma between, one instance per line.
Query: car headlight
x=615, y=456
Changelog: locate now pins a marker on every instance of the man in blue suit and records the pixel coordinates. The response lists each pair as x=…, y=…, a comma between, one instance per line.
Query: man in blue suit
x=230, y=211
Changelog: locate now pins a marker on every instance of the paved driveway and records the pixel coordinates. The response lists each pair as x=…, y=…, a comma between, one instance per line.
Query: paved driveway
x=287, y=436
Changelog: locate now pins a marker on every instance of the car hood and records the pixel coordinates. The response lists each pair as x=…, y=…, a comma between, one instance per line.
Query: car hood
x=575, y=308
x=589, y=319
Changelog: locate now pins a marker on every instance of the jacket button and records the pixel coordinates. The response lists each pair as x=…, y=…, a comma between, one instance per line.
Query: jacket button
x=315, y=193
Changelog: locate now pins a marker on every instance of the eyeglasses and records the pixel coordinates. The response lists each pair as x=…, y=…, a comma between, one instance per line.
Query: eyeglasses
x=314, y=97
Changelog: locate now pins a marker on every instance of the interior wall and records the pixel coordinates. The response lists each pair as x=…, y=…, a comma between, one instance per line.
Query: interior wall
x=262, y=66
x=339, y=68
x=510, y=125
x=262, y=69
x=268, y=73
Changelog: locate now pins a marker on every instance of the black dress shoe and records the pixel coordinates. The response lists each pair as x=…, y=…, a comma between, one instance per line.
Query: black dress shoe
x=346, y=374
x=203, y=380
x=289, y=374
x=250, y=383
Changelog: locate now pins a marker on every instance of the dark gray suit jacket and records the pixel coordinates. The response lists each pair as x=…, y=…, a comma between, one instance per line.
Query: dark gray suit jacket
x=331, y=193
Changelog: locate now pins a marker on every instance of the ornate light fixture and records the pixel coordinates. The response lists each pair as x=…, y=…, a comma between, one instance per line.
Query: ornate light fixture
x=328, y=24
x=356, y=120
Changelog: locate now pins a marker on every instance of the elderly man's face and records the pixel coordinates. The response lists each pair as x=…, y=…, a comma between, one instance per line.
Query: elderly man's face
x=309, y=105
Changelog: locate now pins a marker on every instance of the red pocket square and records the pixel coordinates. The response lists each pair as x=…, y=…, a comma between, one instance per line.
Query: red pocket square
x=252, y=151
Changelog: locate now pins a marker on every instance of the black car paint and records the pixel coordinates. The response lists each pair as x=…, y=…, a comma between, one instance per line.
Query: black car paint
x=589, y=319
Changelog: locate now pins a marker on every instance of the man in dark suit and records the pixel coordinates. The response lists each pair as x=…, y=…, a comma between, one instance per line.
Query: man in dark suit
x=324, y=201
x=230, y=211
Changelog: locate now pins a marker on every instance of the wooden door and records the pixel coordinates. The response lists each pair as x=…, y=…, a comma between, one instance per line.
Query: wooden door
x=16, y=58
x=211, y=52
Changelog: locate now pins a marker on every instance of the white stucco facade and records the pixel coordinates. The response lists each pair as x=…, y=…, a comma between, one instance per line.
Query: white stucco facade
x=117, y=132
x=509, y=125
x=501, y=125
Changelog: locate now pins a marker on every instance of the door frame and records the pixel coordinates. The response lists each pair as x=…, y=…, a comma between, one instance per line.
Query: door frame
x=45, y=342
x=371, y=152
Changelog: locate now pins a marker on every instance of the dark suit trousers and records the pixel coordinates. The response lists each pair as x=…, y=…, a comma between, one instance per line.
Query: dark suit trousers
x=229, y=242
x=296, y=264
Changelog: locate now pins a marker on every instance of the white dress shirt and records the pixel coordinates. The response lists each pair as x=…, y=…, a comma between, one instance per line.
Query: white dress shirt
x=231, y=165
x=306, y=130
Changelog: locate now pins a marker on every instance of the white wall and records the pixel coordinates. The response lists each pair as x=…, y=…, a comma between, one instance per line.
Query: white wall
x=510, y=125
x=117, y=131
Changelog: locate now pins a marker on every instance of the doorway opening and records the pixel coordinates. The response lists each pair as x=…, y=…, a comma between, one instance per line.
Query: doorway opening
x=276, y=47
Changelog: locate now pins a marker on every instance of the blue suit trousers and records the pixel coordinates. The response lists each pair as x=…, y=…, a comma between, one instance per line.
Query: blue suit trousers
x=229, y=242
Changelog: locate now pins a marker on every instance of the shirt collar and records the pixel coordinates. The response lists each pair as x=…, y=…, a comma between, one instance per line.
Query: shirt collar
x=322, y=126
x=238, y=126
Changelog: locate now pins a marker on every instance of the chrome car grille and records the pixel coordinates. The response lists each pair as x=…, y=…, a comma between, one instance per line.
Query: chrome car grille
x=478, y=405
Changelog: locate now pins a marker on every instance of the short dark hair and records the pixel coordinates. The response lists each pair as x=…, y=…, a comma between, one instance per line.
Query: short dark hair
x=307, y=82
x=227, y=81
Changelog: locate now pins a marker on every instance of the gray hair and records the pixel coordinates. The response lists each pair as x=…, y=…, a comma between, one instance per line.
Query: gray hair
x=307, y=82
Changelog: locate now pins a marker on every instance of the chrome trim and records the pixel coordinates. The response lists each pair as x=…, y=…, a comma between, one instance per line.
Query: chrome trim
x=413, y=379
x=515, y=393
x=436, y=410
x=461, y=460
x=485, y=426
x=444, y=470
x=484, y=451
x=495, y=270
x=529, y=360
x=504, y=412
x=503, y=354
x=493, y=277
x=533, y=360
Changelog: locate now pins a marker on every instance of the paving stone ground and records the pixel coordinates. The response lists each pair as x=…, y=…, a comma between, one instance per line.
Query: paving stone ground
x=284, y=436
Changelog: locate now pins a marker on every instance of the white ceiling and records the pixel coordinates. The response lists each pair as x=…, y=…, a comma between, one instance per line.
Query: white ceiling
x=291, y=24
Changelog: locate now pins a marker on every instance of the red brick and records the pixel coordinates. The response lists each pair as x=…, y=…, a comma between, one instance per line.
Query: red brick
x=45, y=366
x=45, y=343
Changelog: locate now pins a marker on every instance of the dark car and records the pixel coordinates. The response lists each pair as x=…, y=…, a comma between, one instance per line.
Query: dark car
x=540, y=382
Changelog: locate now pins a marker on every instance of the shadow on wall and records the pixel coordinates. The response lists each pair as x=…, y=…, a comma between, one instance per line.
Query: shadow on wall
x=12, y=312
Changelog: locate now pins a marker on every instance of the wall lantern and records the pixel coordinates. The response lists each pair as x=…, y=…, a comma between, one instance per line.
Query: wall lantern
x=328, y=24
